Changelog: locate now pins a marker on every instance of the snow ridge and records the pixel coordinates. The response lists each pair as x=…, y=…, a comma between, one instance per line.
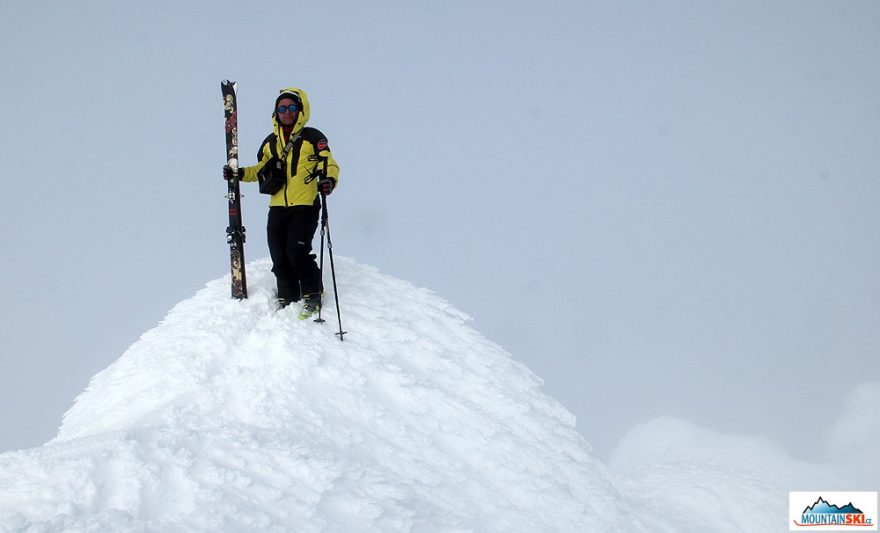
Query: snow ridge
x=230, y=416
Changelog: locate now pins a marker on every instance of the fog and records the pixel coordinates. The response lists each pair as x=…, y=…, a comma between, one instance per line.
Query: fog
x=661, y=208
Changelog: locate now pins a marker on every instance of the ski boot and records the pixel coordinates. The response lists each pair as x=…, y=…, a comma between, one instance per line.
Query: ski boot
x=311, y=306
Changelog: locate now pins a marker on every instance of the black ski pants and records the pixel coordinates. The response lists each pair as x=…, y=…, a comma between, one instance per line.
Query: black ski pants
x=291, y=231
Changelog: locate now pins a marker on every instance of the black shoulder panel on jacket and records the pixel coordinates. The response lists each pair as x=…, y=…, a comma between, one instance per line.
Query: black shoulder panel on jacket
x=270, y=140
x=315, y=137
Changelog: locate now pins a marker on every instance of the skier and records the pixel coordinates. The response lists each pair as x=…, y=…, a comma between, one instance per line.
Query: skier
x=295, y=166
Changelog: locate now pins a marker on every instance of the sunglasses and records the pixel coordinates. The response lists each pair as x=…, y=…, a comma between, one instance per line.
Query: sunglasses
x=292, y=108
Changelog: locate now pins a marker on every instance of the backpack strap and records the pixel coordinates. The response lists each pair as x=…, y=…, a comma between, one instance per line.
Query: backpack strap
x=294, y=144
x=273, y=148
x=293, y=138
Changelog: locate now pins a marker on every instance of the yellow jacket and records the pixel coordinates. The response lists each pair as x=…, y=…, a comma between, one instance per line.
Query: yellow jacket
x=303, y=162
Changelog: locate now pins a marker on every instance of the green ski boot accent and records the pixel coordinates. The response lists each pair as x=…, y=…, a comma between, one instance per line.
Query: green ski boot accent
x=310, y=308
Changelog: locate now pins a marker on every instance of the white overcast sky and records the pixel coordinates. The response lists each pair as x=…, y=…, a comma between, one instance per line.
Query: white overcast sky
x=661, y=207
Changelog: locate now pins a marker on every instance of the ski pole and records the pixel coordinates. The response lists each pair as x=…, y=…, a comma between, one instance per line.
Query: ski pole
x=321, y=262
x=325, y=226
x=332, y=266
x=323, y=173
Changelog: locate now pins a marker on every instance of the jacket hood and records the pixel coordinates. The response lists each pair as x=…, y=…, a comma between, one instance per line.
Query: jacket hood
x=302, y=118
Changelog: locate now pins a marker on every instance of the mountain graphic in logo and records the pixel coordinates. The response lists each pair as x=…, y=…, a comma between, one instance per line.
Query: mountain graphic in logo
x=830, y=516
x=823, y=507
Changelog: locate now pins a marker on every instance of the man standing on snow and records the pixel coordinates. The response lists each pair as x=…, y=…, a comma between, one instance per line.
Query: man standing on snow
x=295, y=166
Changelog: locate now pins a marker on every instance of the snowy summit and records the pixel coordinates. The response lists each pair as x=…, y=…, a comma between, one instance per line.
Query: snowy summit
x=231, y=416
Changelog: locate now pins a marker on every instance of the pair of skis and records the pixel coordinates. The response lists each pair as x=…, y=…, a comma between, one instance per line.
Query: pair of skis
x=235, y=231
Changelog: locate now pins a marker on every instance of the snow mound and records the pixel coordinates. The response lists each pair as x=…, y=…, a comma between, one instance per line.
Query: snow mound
x=231, y=416
x=693, y=479
x=854, y=437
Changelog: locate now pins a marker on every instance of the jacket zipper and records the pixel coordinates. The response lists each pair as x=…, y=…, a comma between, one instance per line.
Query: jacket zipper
x=286, y=181
x=286, y=178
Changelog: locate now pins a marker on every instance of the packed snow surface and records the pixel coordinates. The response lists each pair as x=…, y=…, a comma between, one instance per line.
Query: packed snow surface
x=231, y=416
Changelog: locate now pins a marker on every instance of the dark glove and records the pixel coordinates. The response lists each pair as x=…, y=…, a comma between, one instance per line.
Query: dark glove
x=229, y=172
x=326, y=185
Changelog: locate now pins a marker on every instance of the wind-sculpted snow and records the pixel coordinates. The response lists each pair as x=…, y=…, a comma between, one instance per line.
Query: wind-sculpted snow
x=233, y=417
x=230, y=416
